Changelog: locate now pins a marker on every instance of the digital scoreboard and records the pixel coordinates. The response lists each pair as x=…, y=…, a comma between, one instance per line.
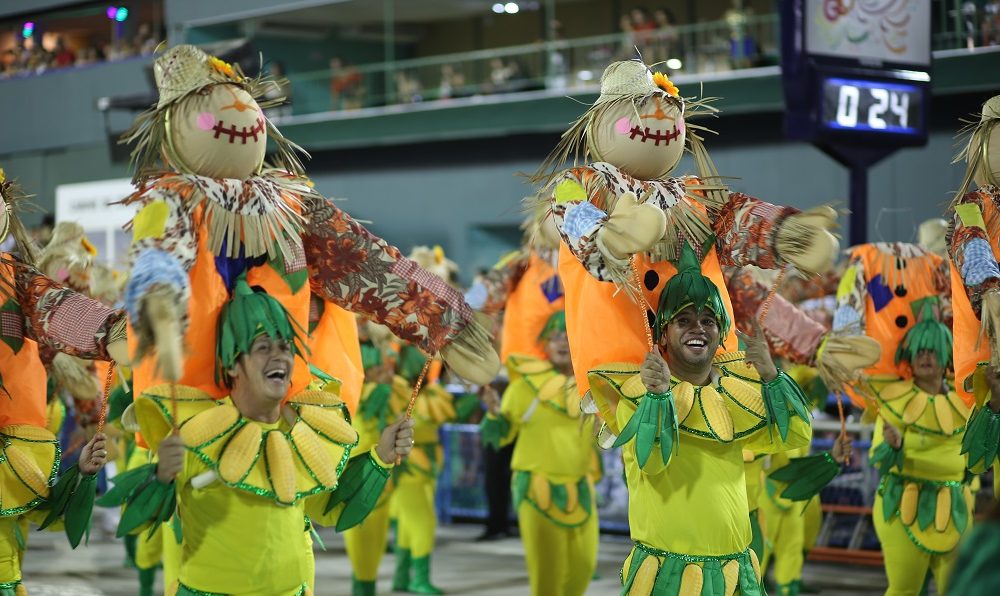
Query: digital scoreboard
x=856, y=72
x=869, y=106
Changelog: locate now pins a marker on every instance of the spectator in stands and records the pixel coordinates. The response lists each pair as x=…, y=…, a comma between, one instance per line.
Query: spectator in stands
x=145, y=41
x=991, y=24
x=642, y=29
x=407, y=88
x=280, y=90
x=665, y=43
x=557, y=75
x=500, y=73
x=970, y=24
x=38, y=60
x=345, y=85
x=452, y=83
x=87, y=55
x=742, y=46
x=63, y=56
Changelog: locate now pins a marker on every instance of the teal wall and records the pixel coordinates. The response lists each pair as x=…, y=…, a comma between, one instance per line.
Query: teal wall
x=13, y=8
x=59, y=108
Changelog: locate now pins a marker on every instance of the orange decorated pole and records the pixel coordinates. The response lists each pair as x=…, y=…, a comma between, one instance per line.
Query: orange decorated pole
x=413, y=395
x=102, y=418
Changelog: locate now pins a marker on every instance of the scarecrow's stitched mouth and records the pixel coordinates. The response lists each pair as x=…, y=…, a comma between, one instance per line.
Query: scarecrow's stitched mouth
x=243, y=133
x=655, y=135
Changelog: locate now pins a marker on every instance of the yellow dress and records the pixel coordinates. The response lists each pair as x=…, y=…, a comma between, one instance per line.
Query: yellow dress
x=553, y=475
x=249, y=490
x=689, y=515
x=923, y=505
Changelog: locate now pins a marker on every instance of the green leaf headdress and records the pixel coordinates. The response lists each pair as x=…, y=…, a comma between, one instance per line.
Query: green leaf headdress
x=688, y=287
x=248, y=314
x=557, y=322
x=928, y=334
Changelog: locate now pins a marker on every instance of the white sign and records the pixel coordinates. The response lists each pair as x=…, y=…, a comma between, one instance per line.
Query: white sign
x=90, y=204
x=870, y=31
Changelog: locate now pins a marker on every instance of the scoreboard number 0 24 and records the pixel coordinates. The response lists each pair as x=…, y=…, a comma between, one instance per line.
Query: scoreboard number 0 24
x=871, y=106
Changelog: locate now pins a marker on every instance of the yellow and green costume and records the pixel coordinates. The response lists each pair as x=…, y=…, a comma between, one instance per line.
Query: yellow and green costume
x=790, y=504
x=784, y=519
x=40, y=316
x=878, y=296
x=415, y=479
x=924, y=504
x=754, y=477
x=366, y=541
x=683, y=451
x=553, y=482
x=688, y=509
x=249, y=491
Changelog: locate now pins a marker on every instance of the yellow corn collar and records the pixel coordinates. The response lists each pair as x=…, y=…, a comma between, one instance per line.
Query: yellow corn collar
x=303, y=456
x=903, y=404
x=525, y=365
x=729, y=410
x=557, y=392
x=30, y=461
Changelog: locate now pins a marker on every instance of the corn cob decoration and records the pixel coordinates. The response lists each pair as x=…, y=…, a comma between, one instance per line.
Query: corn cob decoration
x=27, y=470
x=240, y=453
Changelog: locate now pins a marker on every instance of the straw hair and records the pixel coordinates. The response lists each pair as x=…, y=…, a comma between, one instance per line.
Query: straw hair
x=435, y=261
x=16, y=202
x=537, y=216
x=975, y=150
x=931, y=235
x=179, y=72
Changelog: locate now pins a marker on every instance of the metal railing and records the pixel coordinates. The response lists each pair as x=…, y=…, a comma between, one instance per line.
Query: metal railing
x=563, y=66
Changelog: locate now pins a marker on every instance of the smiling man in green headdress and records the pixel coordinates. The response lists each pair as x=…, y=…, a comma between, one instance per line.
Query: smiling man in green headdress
x=683, y=420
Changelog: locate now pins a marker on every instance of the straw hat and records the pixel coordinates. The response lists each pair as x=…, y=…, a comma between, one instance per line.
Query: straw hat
x=632, y=78
x=931, y=236
x=186, y=69
x=435, y=261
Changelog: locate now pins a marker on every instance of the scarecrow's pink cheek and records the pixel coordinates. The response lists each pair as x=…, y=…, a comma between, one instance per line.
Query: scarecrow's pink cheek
x=623, y=125
x=205, y=121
